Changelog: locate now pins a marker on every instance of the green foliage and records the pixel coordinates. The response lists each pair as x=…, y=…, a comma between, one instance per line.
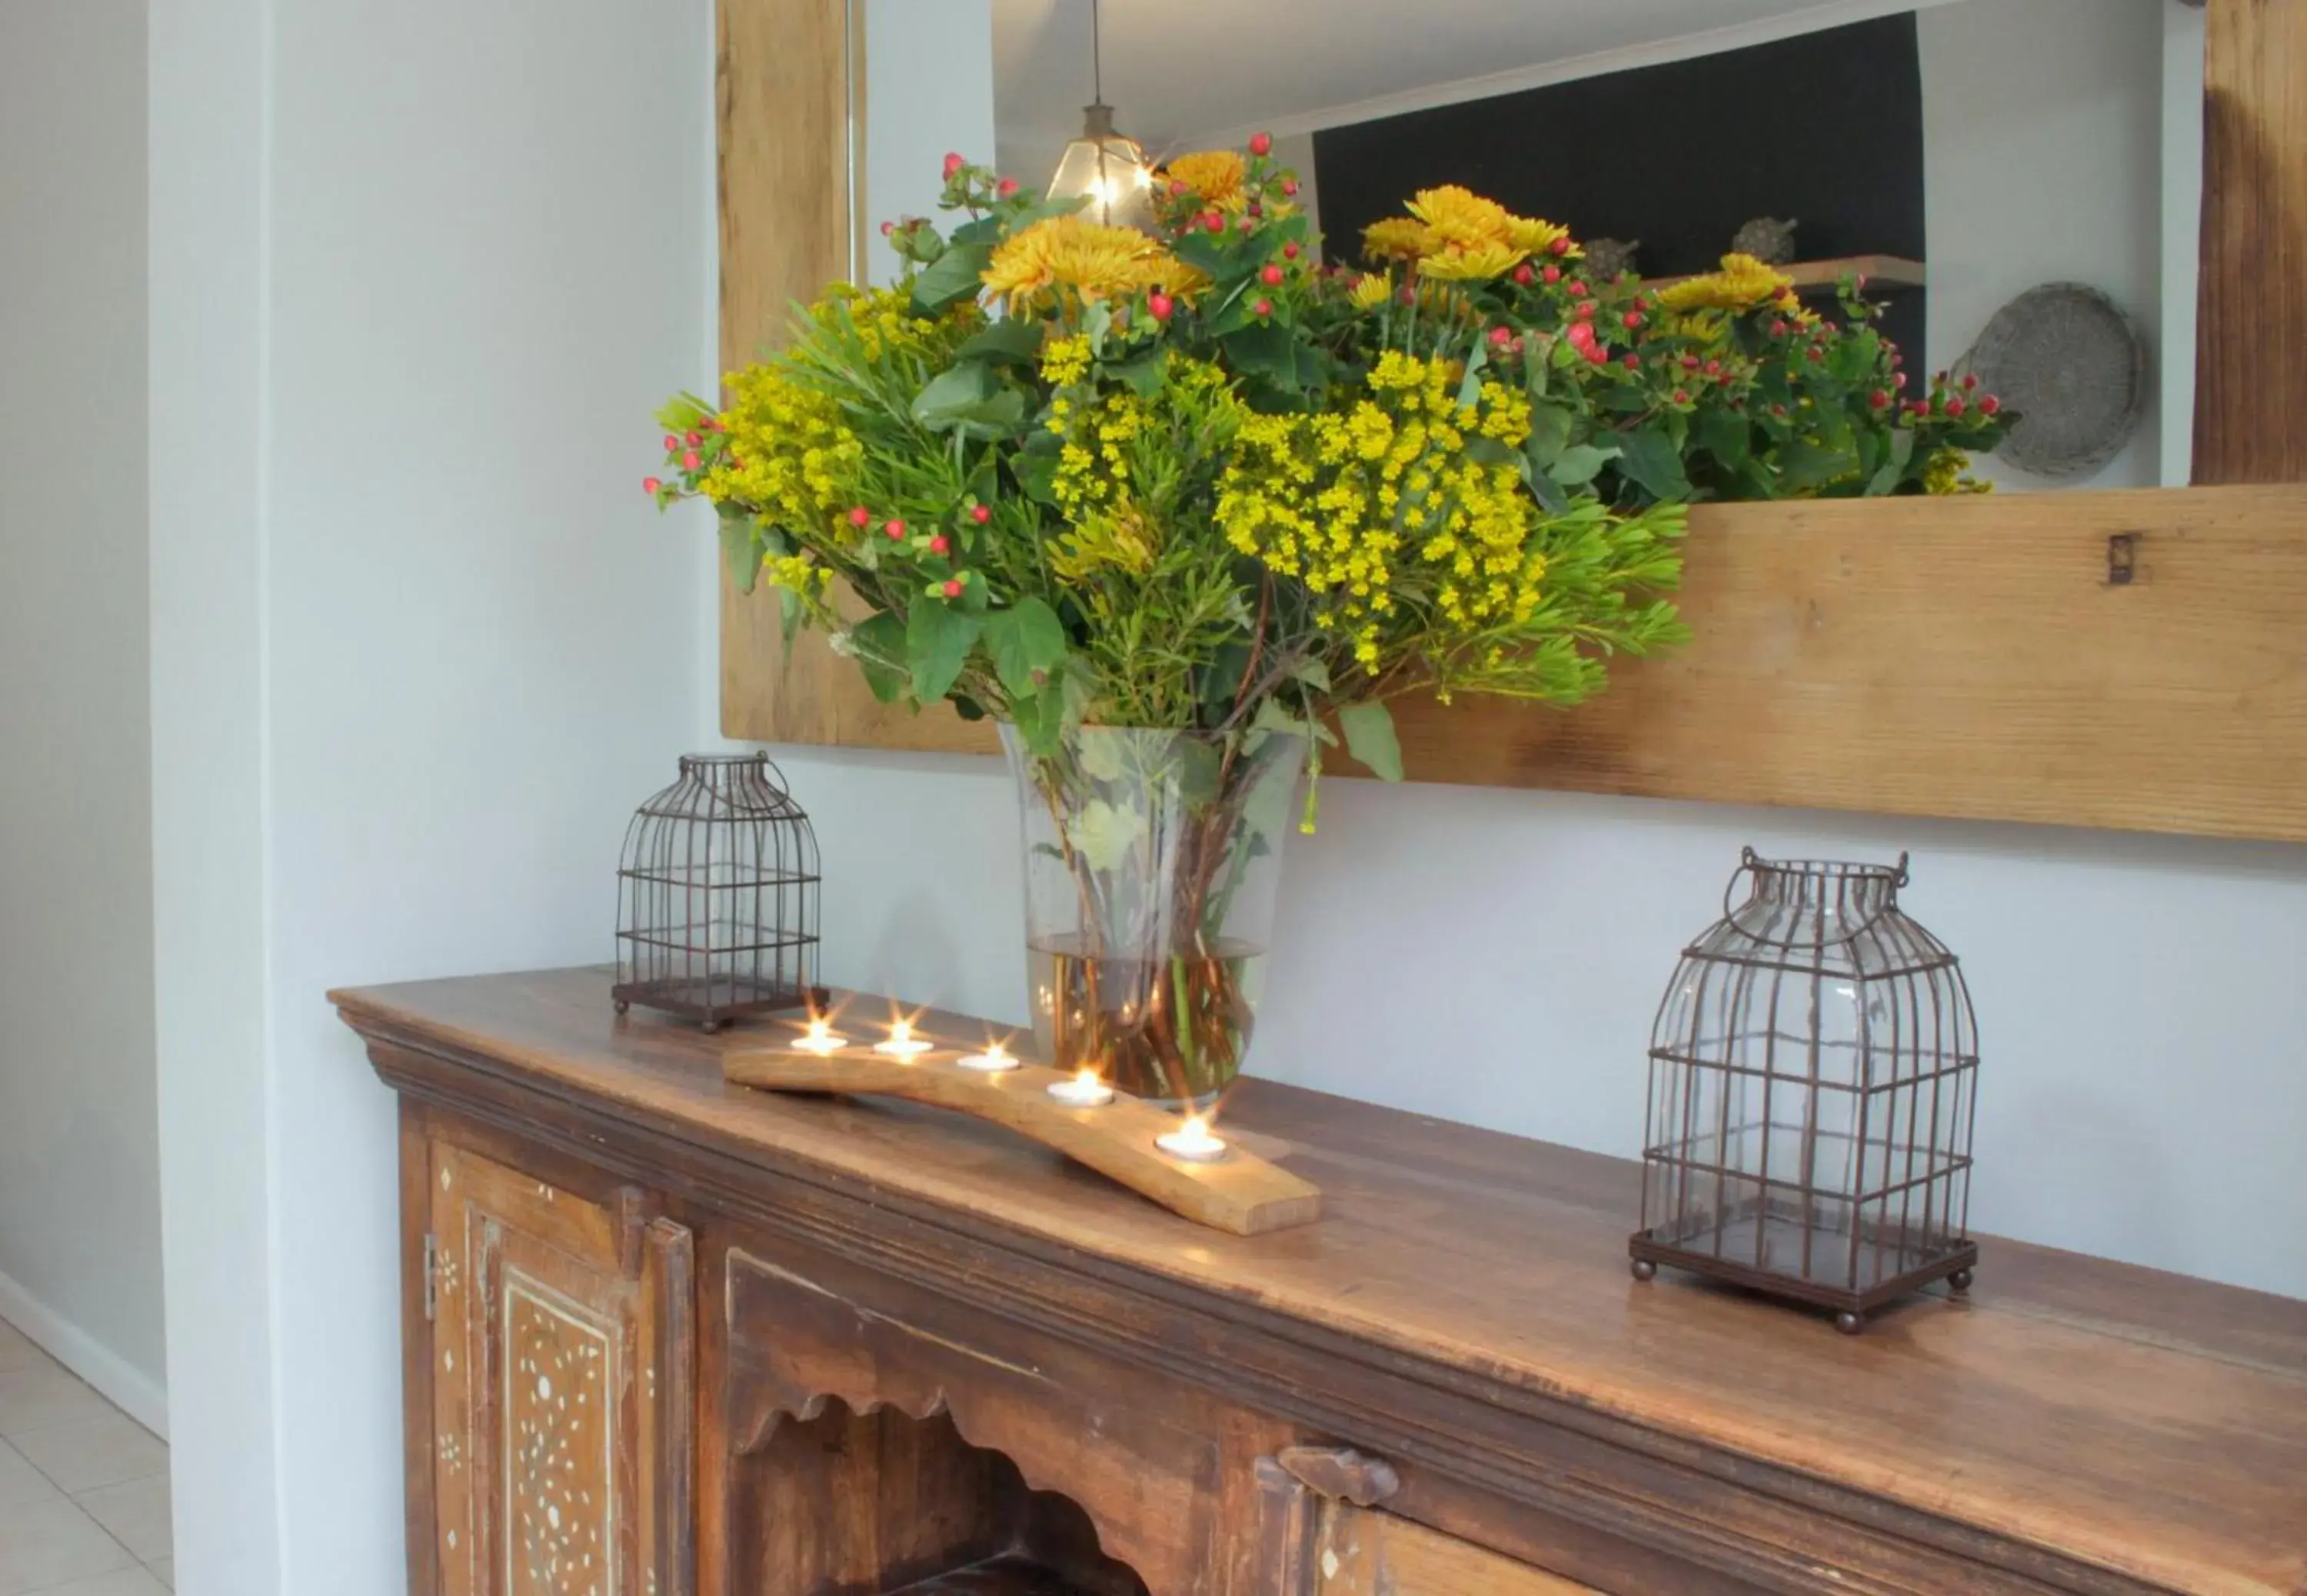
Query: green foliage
x=1070, y=475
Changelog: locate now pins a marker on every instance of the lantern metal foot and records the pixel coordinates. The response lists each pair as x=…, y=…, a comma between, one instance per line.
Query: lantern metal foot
x=1644, y=1270
x=1959, y=1281
x=1850, y=1324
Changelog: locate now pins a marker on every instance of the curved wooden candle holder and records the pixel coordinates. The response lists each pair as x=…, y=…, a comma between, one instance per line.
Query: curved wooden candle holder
x=1239, y=1192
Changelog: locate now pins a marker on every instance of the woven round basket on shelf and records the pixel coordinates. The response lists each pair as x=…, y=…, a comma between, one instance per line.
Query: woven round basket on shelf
x=2072, y=364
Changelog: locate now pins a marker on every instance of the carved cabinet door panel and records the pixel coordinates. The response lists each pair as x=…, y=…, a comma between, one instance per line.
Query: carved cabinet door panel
x=562, y=1351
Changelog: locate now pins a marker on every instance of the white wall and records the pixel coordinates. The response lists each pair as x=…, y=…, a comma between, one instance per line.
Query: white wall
x=421, y=271
x=79, y=1206
x=2043, y=162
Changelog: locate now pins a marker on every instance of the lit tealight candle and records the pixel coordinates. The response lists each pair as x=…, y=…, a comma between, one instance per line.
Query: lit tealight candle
x=1084, y=1090
x=902, y=1043
x=819, y=1038
x=1193, y=1142
x=992, y=1060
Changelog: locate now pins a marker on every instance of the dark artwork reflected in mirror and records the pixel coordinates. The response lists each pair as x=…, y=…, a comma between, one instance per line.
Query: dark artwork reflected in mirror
x=1823, y=128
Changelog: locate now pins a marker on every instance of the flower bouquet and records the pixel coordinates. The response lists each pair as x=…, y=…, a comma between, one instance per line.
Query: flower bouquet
x=1172, y=506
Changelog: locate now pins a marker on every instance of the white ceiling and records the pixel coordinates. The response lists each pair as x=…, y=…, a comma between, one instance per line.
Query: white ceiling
x=1188, y=70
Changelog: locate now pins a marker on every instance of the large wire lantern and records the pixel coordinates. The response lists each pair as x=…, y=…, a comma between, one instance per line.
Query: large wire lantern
x=716, y=897
x=1813, y=1078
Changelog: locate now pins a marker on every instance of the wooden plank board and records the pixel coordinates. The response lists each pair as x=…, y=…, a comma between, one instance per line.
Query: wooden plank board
x=1966, y=657
x=2251, y=336
x=1241, y=1192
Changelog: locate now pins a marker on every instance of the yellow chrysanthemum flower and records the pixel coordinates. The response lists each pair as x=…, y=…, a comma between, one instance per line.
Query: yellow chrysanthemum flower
x=1743, y=283
x=1371, y=290
x=1533, y=236
x=1218, y=178
x=1396, y=238
x=1478, y=263
x=1455, y=216
x=1095, y=261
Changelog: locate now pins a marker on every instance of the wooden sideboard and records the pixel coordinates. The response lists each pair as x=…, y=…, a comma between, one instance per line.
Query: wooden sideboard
x=665, y=1336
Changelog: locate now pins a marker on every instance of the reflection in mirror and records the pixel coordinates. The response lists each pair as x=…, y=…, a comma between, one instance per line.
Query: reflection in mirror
x=2019, y=179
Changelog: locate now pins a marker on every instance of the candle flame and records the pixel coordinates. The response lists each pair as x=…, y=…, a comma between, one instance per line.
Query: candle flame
x=819, y=1030
x=1086, y=1076
x=901, y=1030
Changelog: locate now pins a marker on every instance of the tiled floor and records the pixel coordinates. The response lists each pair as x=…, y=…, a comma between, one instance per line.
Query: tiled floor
x=83, y=1488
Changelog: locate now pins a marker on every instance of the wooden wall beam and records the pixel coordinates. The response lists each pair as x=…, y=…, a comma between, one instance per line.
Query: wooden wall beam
x=2250, y=337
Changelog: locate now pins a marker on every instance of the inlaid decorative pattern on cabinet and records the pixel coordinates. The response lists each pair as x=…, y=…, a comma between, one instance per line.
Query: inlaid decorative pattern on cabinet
x=561, y=1388
x=559, y=1495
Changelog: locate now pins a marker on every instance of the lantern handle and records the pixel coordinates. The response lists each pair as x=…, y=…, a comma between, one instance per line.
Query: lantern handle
x=1751, y=862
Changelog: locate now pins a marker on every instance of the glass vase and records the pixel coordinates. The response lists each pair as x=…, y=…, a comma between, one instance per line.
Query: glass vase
x=1152, y=861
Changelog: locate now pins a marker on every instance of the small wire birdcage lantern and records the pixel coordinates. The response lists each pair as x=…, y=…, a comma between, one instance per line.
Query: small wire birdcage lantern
x=1813, y=1077
x=717, y=896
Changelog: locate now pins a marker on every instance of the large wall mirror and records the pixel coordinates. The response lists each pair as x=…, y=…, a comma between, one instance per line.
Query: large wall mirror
x=2101, y=205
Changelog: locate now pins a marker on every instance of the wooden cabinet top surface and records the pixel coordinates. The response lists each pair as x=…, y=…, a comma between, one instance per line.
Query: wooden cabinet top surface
x=2144, y=1423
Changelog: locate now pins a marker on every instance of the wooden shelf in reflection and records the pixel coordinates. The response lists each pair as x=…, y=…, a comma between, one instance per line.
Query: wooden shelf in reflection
x=1881, y=272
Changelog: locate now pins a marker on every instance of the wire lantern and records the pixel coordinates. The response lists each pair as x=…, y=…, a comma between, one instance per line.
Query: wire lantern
x=1813, y=1080
x=717, y=896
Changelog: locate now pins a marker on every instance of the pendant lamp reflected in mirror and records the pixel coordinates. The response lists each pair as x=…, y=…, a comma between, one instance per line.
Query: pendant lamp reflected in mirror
x=1110, y=169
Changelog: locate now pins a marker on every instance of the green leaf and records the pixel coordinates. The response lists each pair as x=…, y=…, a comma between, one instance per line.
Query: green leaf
x=879, y=643
x=1271, y=351
x=1035, y=467
x=953, y=277
x=1210, y=254
x=1273, y=715
x=1144, y=375
x=938, y=641
x=1006, y=343
x=1578, y=464
x=1313, y=673
x=1041, y=718
x=1725, y=435
x=1803, y=464
x=1549, y=435
x=1028, y=643
x=1653, y=465
x=681, y=412
x=1103, y=835
x=1470, y=387
x=1370, y=738
x=739, y=548
x=1488, y=451
x=971, y=399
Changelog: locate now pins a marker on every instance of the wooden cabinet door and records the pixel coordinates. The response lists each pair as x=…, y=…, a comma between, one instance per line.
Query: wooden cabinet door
x=562, y=1351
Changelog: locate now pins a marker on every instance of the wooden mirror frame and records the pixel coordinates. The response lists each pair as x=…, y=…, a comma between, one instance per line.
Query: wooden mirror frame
x=2134, y=660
